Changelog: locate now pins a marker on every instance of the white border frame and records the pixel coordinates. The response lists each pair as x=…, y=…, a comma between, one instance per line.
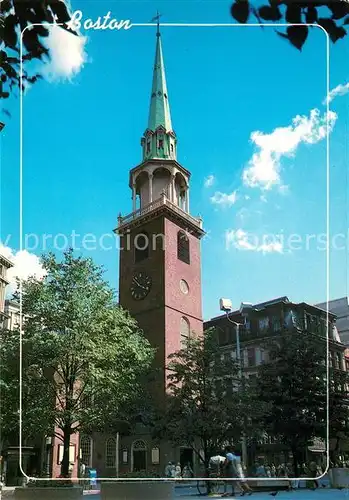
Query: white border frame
x=192, y=25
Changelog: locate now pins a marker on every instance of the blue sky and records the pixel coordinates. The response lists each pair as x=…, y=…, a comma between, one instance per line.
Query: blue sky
x=81, y=137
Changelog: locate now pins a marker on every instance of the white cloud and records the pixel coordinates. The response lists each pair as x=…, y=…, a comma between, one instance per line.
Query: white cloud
x=224, y=199
x=241, y=240
x=263, y=198
x=25, y=264
x=67, y=52
x=209, y=181
x=263, y=169
x=340, y=90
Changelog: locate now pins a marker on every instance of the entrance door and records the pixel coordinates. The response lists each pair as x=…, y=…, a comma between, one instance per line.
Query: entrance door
x=186, y=457
x=139, y=456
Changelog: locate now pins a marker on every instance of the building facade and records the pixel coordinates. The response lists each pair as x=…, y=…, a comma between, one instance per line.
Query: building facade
x=5, y=265
x=262, y=321
x=339, y=307
x=12, y=315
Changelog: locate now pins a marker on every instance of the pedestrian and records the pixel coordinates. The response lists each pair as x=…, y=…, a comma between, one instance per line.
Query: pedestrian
x=245, y=488
x=187, y=471
x=313, y=473
x=168, y=470
x=231, y=472
x=313, y=468
x=178, y=470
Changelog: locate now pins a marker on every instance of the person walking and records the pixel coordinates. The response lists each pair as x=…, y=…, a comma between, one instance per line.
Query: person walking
x=178, y=471
x=187, y=471
x=231, y=472
x=313, y=473
x=245, y=488
x=168, y=470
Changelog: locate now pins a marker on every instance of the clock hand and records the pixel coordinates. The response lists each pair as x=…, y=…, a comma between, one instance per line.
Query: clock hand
x=138, y=284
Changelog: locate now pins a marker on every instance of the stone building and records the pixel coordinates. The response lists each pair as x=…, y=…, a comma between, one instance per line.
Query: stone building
x=339, y=307
x=5, y=265
x=266, y=319
x=12, y=315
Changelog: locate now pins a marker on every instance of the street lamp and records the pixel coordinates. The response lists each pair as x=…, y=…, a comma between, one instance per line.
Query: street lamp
x=226, y=306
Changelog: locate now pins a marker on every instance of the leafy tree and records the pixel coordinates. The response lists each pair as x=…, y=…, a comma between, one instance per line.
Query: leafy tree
x=35, y=393
x=294, y=383
x=88, y=354
x=332, y=15
x=205, y=411
x=19, y=15
x=338, y=410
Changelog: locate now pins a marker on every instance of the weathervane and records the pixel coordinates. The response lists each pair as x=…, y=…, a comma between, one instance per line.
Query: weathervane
x=157, y=19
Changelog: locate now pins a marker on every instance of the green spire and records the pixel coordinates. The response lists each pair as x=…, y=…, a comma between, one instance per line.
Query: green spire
x=159, y=113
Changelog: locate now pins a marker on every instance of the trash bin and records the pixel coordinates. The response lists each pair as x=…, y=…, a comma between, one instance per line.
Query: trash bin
x=93, y=478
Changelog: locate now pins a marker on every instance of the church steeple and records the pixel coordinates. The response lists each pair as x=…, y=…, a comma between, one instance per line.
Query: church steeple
x=159, y=140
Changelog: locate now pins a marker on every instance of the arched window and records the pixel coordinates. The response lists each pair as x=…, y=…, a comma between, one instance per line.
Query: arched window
x=184, y=331
x=86, y=450
x=110, y=453
x=183, y=247
x=141, y=246
x=139, y=456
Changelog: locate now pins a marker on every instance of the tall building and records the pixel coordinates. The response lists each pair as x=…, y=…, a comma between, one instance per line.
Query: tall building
x=160, y=260
x=160, y=264
x=159, y=278
x=264, y=320
x=339, y=307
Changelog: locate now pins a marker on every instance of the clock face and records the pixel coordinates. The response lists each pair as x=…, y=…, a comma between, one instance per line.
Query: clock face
x=140, y=285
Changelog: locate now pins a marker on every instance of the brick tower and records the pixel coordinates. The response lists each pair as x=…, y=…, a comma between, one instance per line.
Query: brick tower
x=160, y=268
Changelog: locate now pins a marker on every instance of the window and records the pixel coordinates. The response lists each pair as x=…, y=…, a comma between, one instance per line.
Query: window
x=251, y=356
x=161, y=144
x=224, y=336
x=141, y=244
x=155, y=456
x=184, y=332
x=110, y=453
x=71, y=453
x=263, y=324
x=124, y=456
x=148, y=147
x=276, y=322
x=171, y=148
x=308, y=321
x=226, y=357
x=183, y=248
x=338, y=360
x=86, y=450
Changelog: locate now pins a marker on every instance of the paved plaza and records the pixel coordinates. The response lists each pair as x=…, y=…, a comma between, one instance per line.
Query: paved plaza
x=301, y=494
x=191, y=493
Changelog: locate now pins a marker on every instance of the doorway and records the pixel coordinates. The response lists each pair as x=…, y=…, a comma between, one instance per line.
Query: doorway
x=186, y=457
x=139, y=456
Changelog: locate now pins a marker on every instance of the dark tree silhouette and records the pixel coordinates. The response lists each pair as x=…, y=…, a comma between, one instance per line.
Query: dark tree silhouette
x=332, y=15
x=15, y=16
